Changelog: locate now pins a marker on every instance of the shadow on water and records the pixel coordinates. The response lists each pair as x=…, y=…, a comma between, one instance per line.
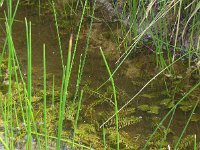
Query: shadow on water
x=140, y=117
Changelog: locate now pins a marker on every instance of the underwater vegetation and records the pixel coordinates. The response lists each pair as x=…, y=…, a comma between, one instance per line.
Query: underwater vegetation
x=100, y=74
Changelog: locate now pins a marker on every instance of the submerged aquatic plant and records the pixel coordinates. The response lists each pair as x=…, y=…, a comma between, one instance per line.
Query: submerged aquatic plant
x=27, y=115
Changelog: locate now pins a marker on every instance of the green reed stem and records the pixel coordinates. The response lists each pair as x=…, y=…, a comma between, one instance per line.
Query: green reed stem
x=168, y=128
x=82, y=63
x=4, y=47
x=133, y=15
x=65, y=93
x=77, y=85
x=195, y=142
x=53, y=91
x=28, y=104
x=10, y=70
x=16, y=79
x=192, y=112
x=45, y=97
x=16, y=116
x=78, y=34
x=171, y=110
x=29, y=75
x=104, y=137
x=19, y=91
x=77, y=117
x=115, y=98
x=8, y=40
x=4, y=144
x=5, y=119
x=58, y=33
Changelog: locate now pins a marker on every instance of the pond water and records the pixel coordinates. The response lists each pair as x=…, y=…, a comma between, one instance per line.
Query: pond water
x=140, y=116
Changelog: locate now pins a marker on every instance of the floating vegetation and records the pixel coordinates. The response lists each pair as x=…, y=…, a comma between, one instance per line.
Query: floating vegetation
x=126, y=117
x=149, y=109
x=195, y=118
x=87, y=134
x=168, y=103
x=124, y=121
x=55, y=91
x=126, y=141
x=149, y=96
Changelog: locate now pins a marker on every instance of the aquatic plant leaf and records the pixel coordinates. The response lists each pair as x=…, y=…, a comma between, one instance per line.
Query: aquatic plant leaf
x=186, y=108
x=148, y=96
x=126, y=141
x=154, y=110
x=171, y=104
x=167, y=103
x=195, y=117
x=127, y=121
x=185, y=103
x=124, y=121
x=143, y=107
x=186, y=142
x=127, y=111
x=86, y=133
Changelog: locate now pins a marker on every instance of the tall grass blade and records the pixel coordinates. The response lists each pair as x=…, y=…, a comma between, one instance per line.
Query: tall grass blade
x=58, y=33
x=65, y=93
x=77, y=86
x=104, y=138
x=115, y=98
x=78, y=34
x=10, y=70
x=77, y=117
x=29, y=74
x=4, y=144
x=53, y=91
x=45, y=98
x=192, y=112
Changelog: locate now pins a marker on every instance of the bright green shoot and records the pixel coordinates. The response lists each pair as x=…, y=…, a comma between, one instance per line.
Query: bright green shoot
x=45, y=98
x=65, y=94
x=115, y=98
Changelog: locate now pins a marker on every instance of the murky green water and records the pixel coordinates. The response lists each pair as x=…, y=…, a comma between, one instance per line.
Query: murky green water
x=137, y=121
